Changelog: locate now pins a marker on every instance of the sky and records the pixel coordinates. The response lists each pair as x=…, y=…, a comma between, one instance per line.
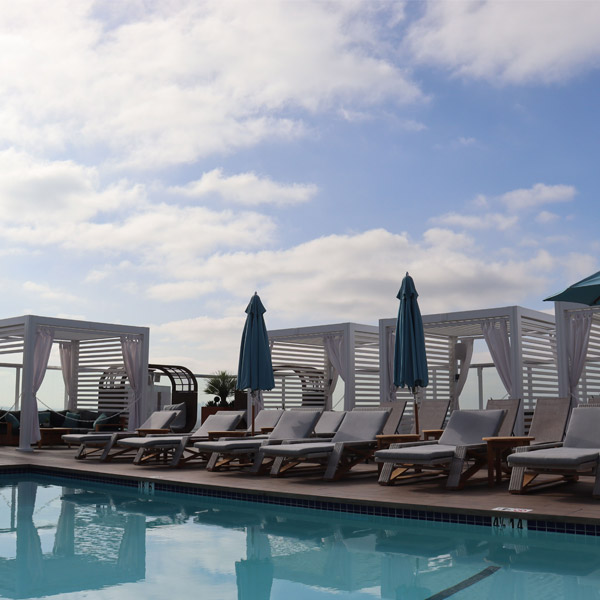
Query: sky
x=160, y=161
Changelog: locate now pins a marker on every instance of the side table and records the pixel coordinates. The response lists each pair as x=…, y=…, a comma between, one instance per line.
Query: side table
x=496, y=448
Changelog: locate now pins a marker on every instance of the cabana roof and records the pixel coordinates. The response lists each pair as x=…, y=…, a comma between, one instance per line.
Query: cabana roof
x=92, y=359
x=304, y=358
x=529, y=369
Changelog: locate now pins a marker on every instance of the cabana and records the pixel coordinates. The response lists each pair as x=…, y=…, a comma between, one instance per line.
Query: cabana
x=578, y=351
x=522, y=343
x=307, y=362
x=104, y=366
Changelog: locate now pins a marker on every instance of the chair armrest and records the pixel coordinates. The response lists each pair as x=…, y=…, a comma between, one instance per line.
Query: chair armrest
x=539, y=447
x=406, y=444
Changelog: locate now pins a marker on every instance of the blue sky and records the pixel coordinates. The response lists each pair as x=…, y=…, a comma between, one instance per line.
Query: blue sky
x=161, y=161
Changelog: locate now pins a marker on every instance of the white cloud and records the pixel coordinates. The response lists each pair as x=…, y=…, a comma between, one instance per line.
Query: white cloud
x=509, y=42
x=247, y=189
x=538, y=195
x=184, y=80
x=34, y=190
x=47, y=292
x=356, y=277
x=545, y=217
x=486, y=221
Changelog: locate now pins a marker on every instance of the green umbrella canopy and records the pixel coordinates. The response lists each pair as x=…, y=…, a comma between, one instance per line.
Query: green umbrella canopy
x=586, y=291
x=410, y=359
x=255, y=370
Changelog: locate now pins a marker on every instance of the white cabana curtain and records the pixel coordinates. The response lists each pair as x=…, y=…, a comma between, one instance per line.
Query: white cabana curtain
x=463, y=371
x=65, y=351
x=334, y=346
x=132, y=357
x=30, y=425
x=498, y=344
x=578, y=337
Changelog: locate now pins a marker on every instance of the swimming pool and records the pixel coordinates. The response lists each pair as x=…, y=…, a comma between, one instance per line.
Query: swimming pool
x=74, y=539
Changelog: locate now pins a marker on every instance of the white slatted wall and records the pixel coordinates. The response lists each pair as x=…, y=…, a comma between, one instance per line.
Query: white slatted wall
x=102, y=382
x=540, y=374
x=366, y=368
x=302, y=385
x=12, y=340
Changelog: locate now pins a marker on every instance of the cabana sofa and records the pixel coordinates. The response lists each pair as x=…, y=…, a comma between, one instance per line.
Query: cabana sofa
x=79, y=421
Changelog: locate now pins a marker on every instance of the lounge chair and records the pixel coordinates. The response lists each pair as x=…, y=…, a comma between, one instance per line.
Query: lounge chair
x=577, y=455
x=549, y=420
x=95, y=442
x=176, y=446
x=354, y=442
x=511, y=406
x=459, y=446
x=225, y=453
x=432, y=414
x=329, y=422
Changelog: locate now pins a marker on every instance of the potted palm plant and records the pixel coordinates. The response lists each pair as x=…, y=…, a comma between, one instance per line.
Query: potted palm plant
x=221, y=385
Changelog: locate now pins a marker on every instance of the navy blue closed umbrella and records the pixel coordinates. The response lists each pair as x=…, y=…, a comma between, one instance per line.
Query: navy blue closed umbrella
x=255, y=370
x=410, y=357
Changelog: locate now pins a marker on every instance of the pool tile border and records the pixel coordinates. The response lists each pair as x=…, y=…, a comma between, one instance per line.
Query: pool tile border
x=539, y=525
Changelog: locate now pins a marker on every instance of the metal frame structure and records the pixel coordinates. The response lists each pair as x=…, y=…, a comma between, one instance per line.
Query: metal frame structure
x=97, y=360
x=304, y=373
x=184, y=389
x=532, y=337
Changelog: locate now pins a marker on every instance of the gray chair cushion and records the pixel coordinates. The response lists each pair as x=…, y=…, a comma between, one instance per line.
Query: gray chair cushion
x=224, y=446
x=299, y=449
x=225, y=420
x=179, y=421
x=430, y=452
x=266, y=418
x=329, y=422
x=553, y=457
x=159, y=419
x=361, y=425
x=584, y=429
x=295, y=424
x=467, y=427
x=159, y=441
x=82, y=438
x=549, y=420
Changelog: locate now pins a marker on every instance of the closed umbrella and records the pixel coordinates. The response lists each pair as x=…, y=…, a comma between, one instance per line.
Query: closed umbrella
x=255, y=370
x=586, y=291
x=410, y=358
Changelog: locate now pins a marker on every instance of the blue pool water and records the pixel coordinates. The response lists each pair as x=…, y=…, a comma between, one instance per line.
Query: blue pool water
x=74, y=539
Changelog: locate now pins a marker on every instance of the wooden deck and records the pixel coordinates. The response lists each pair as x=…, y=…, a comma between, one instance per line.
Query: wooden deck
x=571, y=502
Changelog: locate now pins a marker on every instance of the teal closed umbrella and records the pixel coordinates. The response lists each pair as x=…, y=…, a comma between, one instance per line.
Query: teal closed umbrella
x=586, y=291
x=255, y=370
x=410, y=358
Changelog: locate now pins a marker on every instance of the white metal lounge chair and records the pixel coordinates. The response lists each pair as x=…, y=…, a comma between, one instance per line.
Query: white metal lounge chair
x=239, y=452
x=354, y=442
x=579, y=454
x=96, y=442
x=174, y=446
x=459, y=446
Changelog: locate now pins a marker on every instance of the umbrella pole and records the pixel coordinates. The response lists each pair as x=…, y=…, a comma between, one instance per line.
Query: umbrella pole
x=416, y=409
x=253, y=416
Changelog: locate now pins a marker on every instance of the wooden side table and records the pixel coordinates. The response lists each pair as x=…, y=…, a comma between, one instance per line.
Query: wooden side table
x=52, y=436
x=432, y=434
x=496, y=448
